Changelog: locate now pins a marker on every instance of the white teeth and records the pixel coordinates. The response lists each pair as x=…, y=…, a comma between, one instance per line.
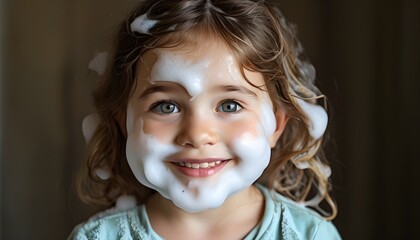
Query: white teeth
x=204, y=165
x=198, y=165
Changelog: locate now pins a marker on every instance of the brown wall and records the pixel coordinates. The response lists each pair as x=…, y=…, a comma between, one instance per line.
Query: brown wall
x=367, y=57
x=45, y=95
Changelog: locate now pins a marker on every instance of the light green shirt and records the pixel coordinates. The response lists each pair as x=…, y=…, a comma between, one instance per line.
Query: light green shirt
x=283, y=219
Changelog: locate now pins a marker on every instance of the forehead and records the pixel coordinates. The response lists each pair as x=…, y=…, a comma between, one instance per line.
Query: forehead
x=195, y=63
x=193, y=46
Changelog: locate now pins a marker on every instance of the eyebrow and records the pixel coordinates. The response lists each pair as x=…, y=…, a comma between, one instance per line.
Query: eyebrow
x=225, y=88
x=154, y=89
x=240, y=89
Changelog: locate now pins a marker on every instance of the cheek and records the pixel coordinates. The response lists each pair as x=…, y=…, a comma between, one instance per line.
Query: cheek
x=254, y=153
x=163, y=132
x=237, y=129
x=248, y=140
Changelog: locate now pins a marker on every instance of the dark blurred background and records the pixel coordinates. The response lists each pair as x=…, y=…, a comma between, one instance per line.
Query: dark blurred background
x=367, y=56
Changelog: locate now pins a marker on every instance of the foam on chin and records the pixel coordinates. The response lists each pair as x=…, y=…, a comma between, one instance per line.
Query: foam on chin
x=148, y=157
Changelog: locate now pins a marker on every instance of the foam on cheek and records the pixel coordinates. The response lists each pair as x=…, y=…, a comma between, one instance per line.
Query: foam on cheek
x=173, y=68
x=253, y=155
x=255, y=151
x=268, y=119
x=146, y=155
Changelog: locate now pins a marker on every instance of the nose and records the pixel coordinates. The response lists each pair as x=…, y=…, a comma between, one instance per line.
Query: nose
x=197, y=131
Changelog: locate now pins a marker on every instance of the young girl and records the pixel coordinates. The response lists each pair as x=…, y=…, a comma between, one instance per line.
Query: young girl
x=209, y=117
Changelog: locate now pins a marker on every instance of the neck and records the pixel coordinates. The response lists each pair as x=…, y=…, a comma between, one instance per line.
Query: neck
x=244, y=209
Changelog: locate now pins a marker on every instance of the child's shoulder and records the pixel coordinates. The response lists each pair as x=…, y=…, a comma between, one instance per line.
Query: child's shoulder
x=109, y=224
x=297, y=220
x=124, y=221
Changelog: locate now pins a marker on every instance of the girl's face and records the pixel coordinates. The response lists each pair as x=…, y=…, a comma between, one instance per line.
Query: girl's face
x=197, y=131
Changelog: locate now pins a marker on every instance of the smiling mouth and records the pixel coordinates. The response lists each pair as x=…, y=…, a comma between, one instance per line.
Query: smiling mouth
x=200, y=168
x=204, y=165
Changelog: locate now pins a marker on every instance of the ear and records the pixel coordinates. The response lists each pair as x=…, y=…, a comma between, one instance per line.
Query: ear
x=281, y=121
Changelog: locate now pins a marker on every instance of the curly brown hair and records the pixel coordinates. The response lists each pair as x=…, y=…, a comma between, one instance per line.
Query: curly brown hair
x=264, y=42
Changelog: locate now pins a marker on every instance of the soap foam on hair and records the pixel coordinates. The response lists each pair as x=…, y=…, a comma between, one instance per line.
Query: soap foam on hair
x=317, y=116
x=98, y=63
x=142, y=24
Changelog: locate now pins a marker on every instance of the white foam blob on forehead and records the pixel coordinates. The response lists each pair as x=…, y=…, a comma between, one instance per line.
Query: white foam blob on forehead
x=172, y=67
x=317, y=116
x=142, y=24
x=233, y=68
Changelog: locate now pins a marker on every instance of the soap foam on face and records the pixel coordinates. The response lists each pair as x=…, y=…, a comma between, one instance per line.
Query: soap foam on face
x=147, y=156
x=173, y=68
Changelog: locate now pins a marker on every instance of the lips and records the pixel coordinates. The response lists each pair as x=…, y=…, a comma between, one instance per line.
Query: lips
x=198, y=165
x=200, y=168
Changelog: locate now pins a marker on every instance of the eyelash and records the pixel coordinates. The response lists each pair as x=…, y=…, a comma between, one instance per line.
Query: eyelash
x=154, y=106
x=236, y=102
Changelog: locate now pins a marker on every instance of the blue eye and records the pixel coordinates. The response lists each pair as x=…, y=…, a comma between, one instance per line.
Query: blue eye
x=165, y=107
x=229, y=106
